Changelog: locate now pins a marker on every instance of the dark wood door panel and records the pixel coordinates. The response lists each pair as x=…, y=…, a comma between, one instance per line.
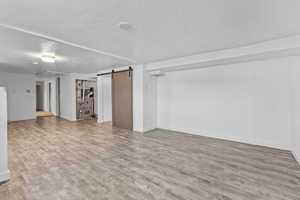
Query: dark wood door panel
x=122, y=99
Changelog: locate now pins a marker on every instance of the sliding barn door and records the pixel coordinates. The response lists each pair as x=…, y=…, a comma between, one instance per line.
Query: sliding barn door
x=122, y=99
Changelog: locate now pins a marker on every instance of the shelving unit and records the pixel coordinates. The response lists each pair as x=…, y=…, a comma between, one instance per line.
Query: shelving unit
x=85, y=99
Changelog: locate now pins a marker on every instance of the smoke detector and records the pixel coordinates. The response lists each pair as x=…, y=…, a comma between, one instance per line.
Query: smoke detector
x=125, y=26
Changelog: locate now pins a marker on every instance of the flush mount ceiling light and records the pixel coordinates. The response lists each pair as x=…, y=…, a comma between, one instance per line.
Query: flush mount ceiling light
x=48, y=58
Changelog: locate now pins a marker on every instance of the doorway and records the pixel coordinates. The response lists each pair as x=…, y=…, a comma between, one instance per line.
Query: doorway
x=39, y=96
x=86, y=99
x=49, y=96
x=45, y=98
x=115, y=94
x=122, y=115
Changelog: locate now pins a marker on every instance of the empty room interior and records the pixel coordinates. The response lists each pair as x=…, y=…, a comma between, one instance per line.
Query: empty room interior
x=150, y=100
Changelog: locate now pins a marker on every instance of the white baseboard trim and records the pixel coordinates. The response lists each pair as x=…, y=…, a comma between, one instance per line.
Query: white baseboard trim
x=296, y=156
x=21, y=120
x=144, y=130
x=68, y=119
x=234, y=139
x=148, y=130
x=4, y=176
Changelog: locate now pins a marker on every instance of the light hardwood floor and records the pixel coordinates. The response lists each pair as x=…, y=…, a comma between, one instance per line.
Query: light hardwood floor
x=44, y=114
x=53, y=159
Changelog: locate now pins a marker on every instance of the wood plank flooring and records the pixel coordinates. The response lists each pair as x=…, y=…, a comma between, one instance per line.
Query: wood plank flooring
x=53, y=159
x=44, y=114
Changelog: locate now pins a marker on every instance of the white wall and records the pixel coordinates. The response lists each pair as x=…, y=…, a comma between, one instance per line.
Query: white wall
x=150, y=102
x=4, y=172
x=138, y=98
x=68, y=98
x=144, y=100
x=295, y=75
x=104, y=98
x=246, y=102
x=21, y=95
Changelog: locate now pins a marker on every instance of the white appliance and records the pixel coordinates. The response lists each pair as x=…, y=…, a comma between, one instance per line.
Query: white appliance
x=4, y=172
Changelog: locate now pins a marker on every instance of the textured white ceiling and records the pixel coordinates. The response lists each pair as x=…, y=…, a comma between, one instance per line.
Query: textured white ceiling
x=161, y=29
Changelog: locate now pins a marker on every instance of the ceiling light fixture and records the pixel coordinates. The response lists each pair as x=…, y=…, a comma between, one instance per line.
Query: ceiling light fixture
x=48, y=58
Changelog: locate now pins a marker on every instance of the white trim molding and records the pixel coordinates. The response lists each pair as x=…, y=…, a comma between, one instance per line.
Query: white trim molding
x=4, y=172
x=289, y=46
x=4, y=176
x=54, y=39
x=296, y=156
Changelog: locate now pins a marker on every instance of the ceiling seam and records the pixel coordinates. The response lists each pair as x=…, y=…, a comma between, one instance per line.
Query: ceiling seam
x=54, y=39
